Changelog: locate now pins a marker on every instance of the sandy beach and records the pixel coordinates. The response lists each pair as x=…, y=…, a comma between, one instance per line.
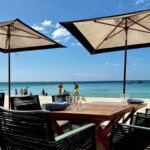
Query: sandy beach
x=48, y=99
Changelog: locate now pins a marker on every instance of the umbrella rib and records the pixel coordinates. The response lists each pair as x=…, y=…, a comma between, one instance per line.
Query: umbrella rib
x=6, y=44
x=139, y=30
x=107, y=37
x=42, y=36
x=21, y=36
x=24, y=31
x=34, y=36
x=31, y=33
x=26, y=36
x=108, y=24
x=136, y=22
x=115, y=33
x=130, y=26
x=119, y=26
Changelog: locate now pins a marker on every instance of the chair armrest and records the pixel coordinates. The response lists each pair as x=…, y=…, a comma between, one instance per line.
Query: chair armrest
x=137, y=127
x=82, y=137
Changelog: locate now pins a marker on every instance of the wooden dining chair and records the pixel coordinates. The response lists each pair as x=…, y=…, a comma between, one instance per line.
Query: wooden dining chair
x=2, y=98
x=25, y=103
x=129, y=137
x=141, y=119
x=33, y=103
x=32, y=130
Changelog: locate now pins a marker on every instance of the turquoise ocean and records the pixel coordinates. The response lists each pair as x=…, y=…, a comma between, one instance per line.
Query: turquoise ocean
x=110, y=89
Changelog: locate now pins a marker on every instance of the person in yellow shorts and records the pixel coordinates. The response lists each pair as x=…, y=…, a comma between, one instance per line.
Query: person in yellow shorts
x=76, y=88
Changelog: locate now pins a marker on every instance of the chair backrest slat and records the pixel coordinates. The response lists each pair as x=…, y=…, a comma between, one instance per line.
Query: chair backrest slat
x=25, y=103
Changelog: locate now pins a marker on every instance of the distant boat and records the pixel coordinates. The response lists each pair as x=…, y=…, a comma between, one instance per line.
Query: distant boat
x=139, y=81
x=129, y=82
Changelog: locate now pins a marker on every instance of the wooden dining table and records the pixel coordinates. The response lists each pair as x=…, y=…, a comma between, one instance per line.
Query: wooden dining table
x=98, y=113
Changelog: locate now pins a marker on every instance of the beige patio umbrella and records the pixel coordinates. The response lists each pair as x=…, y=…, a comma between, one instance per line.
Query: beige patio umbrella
x=16, y=36
x=113, y=33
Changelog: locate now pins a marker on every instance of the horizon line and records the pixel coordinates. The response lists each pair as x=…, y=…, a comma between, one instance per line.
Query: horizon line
x=76, y=81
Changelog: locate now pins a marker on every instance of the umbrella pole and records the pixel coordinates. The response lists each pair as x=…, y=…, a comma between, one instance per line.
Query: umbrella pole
x=125, y=57
x=9, y=92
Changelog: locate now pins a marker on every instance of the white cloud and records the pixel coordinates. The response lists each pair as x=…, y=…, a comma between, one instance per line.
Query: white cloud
x=73, y=43
x=137, y=2
x=134, y=64
x=57, y=25
x=85, y=75
x=60, y=32
x=66, y=39
x=106, y=63
x=116, y=65
x=76, y=44
x=46, y=23
x=38, y=28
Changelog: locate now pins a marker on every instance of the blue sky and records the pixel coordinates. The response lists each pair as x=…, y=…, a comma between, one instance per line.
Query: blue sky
x=73, y=62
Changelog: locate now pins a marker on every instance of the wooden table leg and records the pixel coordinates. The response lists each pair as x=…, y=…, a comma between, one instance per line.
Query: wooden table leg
x=57, y=128
x=103, y=134
x=129, y=116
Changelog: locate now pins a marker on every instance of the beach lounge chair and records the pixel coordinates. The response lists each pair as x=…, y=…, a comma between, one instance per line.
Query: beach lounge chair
x=2, y=98
x=25, y=102
x=129, y=137
x=32, y=130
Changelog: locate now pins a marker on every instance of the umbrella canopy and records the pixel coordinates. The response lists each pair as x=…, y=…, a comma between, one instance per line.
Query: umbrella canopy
x=113, y=33
x=21, y=37
x=16, y=36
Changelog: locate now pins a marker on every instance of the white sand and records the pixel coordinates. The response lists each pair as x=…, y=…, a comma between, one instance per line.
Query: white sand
x=48, y=99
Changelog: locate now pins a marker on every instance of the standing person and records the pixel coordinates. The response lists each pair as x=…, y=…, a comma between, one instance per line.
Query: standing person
x=16, y=92
x=26, y=91
x=43, y=92
x=76, y=88
x=21, y=91
x=60, y=88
